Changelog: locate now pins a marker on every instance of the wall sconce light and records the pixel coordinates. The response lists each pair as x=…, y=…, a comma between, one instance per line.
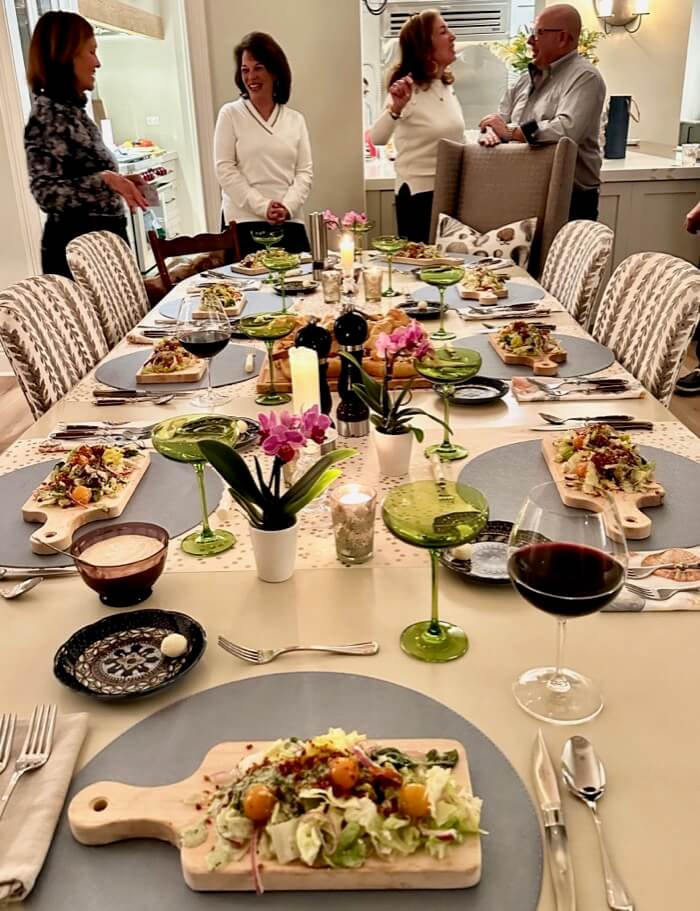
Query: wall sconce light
x=625, y=14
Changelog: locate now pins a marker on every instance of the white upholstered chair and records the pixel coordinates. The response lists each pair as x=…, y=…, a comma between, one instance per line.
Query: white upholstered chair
x=575, y=265
x=106, y=269
x=647, y=315
x=51, y=336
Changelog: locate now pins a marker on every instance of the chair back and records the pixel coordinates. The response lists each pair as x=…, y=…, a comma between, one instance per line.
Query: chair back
x=575, y=265
x=106, y=269
x=51, y=336
x=486, y=188
x=647, y=315
x=184, y=245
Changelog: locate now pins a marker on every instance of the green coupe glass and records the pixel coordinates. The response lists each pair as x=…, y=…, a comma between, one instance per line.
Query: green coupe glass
x=269, y=327
x=435, y=515
x=279, y=262
x=267, y=238
x=358, y=230
x=389, y=244
x=442, y=277
x=447, y=367
x=178, y=439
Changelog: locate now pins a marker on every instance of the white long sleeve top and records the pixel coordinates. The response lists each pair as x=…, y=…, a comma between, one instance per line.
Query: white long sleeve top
x=259, y=160
x=432, y=114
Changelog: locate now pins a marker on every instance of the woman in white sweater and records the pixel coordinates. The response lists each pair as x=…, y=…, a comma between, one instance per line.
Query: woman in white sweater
x=261, y=148
x=422, y=108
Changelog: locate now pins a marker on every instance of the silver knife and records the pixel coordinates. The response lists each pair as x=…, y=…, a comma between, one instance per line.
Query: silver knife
x=547, y=791
x=29, y=572
x=617, y=425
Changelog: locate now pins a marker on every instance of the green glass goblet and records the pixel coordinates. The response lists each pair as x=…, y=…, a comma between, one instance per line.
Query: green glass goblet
x=447, y=367
x=389, y=244
x=269, y=327
x=279, y=262
x=267, y=238
x=434, y=515
x=359, y=229
x=442, y=277
x=178, y=439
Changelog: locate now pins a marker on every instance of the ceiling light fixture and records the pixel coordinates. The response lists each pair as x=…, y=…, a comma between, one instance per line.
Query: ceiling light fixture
x=625, y=14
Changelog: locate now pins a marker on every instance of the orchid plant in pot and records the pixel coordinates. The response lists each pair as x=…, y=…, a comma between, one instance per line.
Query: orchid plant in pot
x=392, y=414
x=271, y=509
x=355, y=223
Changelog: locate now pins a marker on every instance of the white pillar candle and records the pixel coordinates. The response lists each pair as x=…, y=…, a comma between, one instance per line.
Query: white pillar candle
x=347, y=254
x=306, y=391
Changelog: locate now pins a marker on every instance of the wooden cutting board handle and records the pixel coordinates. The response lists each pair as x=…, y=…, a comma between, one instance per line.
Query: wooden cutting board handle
x=636, y=525
x=544, y=366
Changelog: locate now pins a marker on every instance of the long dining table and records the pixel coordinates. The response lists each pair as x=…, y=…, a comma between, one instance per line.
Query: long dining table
x=646, y=664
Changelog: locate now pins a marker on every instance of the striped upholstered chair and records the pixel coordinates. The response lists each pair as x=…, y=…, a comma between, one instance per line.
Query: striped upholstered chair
x=575, y=264
x=105, y=268
x=51, y=336
x=647, y=315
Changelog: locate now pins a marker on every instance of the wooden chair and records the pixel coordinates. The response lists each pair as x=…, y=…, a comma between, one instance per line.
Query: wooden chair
x=227, y=241
x=649, y=310
x=51, y=336
x=574, y=268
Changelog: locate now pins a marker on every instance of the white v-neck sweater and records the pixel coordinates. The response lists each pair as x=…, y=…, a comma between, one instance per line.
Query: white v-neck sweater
x=258, y=161
x=431, y=114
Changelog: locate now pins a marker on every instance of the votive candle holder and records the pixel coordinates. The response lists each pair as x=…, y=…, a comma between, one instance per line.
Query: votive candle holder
x=352, y=511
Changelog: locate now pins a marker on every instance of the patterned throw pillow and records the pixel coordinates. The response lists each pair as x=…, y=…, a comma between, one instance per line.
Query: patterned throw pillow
x=512, y=240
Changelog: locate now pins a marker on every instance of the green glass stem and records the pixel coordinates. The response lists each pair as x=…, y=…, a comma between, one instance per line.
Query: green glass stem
x=434, y=629
x=206, y=533
x=283, y=293
x=441, y=292
x=446, y=392
x=269, y=343
x=389, y=291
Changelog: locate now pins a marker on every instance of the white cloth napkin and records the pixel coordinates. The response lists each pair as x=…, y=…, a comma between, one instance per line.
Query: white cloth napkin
x=629, y=602
x=524, y=391
x=33, y=809
x=496, y=313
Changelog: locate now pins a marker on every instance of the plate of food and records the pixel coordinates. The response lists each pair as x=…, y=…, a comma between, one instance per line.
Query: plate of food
x=416, y=253
x=230, y=298
x=337, y=811
x=527, y=345
x=479, y=390
x=483, y=285
x=170, y=363
x=251, y=264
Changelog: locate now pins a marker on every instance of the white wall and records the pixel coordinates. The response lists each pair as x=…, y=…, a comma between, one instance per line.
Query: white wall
x=321, y=39
x=690, y=108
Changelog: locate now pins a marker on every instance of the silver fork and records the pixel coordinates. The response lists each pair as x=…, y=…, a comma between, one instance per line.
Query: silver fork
x=643, y=572
x=36, y=749
x=265, y=655
x=7, y=732
x=659, y=594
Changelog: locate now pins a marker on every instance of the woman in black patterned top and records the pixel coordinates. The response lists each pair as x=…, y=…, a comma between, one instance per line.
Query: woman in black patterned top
x=72, y=174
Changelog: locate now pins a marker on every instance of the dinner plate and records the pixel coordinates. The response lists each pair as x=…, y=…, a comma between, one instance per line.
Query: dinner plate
x=583, y=357
x=489, y=555
x=479, y=390
x=119, y=656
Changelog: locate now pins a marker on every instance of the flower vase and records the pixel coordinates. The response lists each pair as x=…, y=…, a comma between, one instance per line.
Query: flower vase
x=393, y=451
x=275, y=552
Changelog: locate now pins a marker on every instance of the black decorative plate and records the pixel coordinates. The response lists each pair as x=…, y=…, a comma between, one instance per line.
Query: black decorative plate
x=478, y=390
x=297, y=286
x=489, y=559
x=247, y=436
x=415, y=312
x=119, y=656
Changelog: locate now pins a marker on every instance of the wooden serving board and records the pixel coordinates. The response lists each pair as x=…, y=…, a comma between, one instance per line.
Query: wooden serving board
x=542, y=365
x=479, y=295
x=248, y=270
x=427, y=263
x=189, y=375
x=60, y=524
x=110, y=811
x=635, y=524
x=283, y=382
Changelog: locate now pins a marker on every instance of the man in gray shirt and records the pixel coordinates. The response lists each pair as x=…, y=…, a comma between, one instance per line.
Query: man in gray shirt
x=562, y=94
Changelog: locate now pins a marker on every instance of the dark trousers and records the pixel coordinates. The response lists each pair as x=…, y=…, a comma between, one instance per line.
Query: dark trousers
x=584, y=204
x=413, y=213
x=295, y=238
x=60, y=231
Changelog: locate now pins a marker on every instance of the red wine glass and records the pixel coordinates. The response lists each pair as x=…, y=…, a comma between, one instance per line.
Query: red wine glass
x=563, y=562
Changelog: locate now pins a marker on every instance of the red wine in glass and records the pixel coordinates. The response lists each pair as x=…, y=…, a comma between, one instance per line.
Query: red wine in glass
x=204, y=343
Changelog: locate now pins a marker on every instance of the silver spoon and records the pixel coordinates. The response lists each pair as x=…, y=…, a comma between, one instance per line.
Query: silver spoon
x=584, y=776
x=21, y=588
x=598, y=418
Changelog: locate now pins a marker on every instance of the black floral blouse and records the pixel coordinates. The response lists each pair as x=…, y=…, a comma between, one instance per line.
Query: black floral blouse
x=65, y=154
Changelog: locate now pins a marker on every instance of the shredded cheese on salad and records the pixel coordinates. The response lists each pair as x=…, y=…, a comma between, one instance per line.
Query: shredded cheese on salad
x=598, y=458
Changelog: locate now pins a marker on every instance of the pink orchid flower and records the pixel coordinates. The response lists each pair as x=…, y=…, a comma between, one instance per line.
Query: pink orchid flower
x=315, y=424
x=330, y=219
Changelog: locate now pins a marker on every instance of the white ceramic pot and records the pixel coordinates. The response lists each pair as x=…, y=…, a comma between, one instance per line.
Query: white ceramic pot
x=393, y=451
x=275, y=552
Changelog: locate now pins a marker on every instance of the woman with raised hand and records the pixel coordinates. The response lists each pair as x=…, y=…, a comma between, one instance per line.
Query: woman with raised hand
x=72, y=174
x=422, y=109
x=262, y=151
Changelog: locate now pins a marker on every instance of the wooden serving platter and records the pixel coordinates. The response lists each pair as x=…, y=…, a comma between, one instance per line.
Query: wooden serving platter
x=427, y=263
x=283, y=382
x=59, y=525
x=188, y=375
x=486, y=296
x=110, y=811
x=542, y=365
x=248, y=270
x=635, y=524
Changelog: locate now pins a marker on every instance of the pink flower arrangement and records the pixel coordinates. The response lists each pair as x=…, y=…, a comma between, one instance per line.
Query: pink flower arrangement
x=407, y=340
x=284, y=435
x=349, y=220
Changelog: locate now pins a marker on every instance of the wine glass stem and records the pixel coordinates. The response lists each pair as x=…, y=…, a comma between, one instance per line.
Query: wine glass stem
x=434, y=627
x=558, y=682
x=446, y=393
x=389, y=259
x=206, y=529
x=441, y=292
x=270, y=344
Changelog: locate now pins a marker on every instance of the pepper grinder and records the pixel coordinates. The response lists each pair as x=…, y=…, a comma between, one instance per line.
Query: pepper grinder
x=314, y=336
x=352, y=415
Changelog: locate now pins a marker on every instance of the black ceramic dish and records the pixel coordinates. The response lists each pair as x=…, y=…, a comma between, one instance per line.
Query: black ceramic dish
x=489, y=560
x=297, y=286
x=479, y=390
x=412, y=309
x=119, y=656
x=248, y=436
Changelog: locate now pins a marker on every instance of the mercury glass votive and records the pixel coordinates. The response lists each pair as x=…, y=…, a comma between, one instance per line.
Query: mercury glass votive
x=352, y=512
x=331, y=280
x=372, y=278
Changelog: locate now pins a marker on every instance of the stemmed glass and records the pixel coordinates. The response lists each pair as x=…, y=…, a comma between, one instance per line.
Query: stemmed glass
x=267, y=238
x=204, y=330
x=359, y=229
x=178, y=439
x=446, y=367
x=564, y=562
x=442, y=277
x=435, y=515
x=269, y=327
x=389, y=244
x=280, y=262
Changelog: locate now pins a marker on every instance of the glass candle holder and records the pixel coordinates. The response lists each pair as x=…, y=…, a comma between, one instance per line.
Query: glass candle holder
x=352, y=513
x=688, y=155
x=372, y=279
x=331, y=280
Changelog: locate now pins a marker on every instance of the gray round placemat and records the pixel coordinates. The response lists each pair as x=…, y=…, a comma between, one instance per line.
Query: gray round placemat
x=226, y=368
x=467, y=260
x=584, y=357
x=168, y=746
x=518, y=293
x=505, y=475
x=255, y=302
x=167, y=495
